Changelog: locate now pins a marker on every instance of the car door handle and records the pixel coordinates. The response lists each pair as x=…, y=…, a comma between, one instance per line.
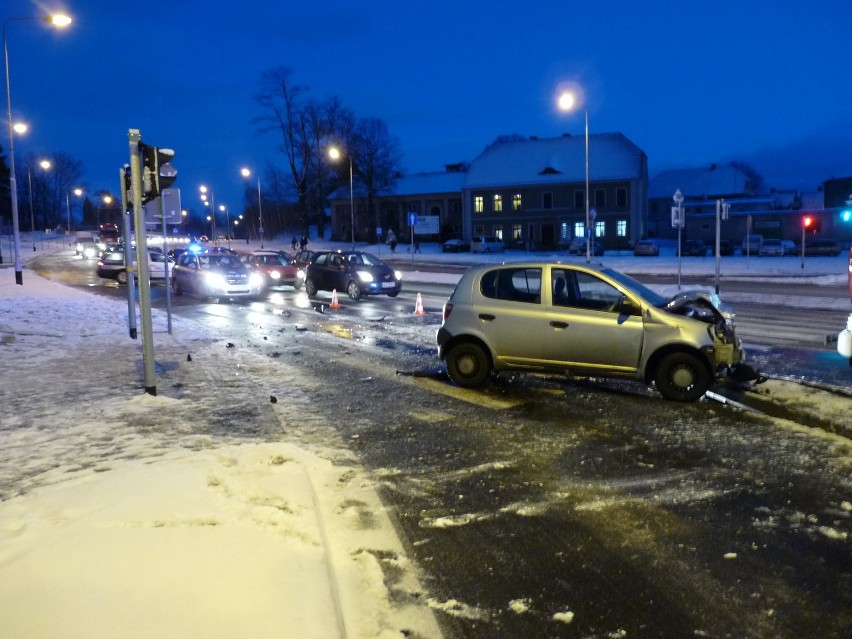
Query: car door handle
x=487, y=317
x=556, y=324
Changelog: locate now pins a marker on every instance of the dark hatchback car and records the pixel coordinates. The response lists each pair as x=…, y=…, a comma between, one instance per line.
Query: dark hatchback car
x=822, y=247
x=695, y=248
x=355, y=272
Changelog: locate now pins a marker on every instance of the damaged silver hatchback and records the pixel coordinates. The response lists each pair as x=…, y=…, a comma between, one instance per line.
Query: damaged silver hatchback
x=586, y=320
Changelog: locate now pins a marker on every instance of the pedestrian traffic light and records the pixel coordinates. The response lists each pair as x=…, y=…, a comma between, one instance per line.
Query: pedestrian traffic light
x=157, y=173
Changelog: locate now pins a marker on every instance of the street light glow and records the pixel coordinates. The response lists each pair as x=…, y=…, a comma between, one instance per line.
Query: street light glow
x=245, y=172
x=20, y=128
x=45, y=164
x=59, y=20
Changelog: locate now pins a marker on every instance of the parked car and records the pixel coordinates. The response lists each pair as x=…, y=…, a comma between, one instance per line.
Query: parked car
x=726, y=247
x=790, y=247
x=577, y=246
x=111, y=265
x=822, y=247
x=646, y=247
x=455, y=245
x=276, y=267
x=586, y=319
x=771, y=248
x=486, y=244
x=694, y=248
x=751, y=244
x=214, y=274
x=355, y=272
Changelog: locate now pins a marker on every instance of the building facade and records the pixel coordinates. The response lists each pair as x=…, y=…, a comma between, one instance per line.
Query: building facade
x=531, y=193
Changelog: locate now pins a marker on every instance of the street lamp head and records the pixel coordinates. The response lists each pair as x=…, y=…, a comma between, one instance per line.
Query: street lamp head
x=222, y=207
x=78, y=192
x=245, y=172
x=45, y=164
x=20, y=128
x=334, y=153
x=203, y=189
x=570, y=96
x=58, y=20
x=107, y=199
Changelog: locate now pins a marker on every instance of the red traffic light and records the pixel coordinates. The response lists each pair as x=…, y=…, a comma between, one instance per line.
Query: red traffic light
x=807, y=221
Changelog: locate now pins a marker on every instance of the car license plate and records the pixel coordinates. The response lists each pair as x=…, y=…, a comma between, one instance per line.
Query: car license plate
x=388, y=284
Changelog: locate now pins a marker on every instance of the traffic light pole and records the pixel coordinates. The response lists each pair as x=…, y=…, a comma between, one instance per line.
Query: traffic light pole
x=128, y=257
x=142, y=251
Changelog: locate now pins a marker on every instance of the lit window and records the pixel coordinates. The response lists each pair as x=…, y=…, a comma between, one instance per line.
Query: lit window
x=621, y=228
x=498, y=231
x=498, y=203
x=516, y=202
x=478, y=206
x=600, y=229
x=517, y=231
x=579, y=229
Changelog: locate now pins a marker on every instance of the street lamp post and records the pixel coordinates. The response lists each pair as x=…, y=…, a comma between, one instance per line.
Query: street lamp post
x=245, y=172
x=78, y=192
x=678, y=218
x=57, y=20
x=212, y=217
x=567, y=101
x=45, y=165
x=224, y=209
x=334, y=153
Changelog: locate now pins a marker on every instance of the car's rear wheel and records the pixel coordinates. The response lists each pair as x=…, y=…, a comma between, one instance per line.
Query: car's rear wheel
x=310, y=287
x=468, y=365
x=121, y=277
x=682, y=377
x=353, y=289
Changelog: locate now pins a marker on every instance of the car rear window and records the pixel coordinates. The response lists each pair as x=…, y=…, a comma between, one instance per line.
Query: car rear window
x=513, y=284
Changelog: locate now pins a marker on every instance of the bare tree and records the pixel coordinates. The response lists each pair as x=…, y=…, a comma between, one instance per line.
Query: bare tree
x=378, y=161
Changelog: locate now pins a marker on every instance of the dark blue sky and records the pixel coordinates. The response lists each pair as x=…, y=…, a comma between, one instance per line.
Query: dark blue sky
x=765, y=82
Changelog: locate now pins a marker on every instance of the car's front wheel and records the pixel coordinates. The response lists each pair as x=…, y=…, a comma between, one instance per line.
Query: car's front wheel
x=311, y=287
x=121, y=277
x=468, y=365
x=353, y=289
x=682, y=377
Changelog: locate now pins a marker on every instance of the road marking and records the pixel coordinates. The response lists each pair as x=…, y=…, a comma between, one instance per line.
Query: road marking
x=464, y=394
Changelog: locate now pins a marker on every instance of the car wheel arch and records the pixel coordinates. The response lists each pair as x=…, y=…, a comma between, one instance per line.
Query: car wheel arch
x=704, y=375
x=653, y=361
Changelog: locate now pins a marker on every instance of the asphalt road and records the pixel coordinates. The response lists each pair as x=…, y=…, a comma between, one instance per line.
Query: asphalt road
x=548, y=507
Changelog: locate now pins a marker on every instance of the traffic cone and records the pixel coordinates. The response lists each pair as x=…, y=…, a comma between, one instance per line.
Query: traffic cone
x=334, y=302
x=418, y=308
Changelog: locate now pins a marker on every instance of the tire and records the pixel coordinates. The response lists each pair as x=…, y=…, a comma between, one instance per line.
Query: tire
x=682, y=377
x=468, y=365
x=393, y=294
x=297, y=285
x=353, y=289
x=121, y=277
x=310, y=288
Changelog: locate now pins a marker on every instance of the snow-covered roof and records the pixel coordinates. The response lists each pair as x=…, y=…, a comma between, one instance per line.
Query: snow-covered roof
x=429, y=183
x=702, y=183
x=559, y=160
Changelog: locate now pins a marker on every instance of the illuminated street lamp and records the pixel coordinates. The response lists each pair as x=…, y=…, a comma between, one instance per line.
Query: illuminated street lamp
x=77, y=192
x=335, y=154
x=567, y=102
x=45, y=166
x=209, y=201
x=57, y=20
x=224, y=210
x=246, y=172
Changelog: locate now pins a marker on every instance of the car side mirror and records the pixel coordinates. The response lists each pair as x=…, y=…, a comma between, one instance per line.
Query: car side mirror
x=627, y=307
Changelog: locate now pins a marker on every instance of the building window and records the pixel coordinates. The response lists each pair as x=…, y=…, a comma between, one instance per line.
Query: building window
x=517, y=232
x=498, y=231
x=600, y=198
x=621, y=228
x=579, y=229
x=455, y=207
x=580, y=200
x=600, y=229
x=479, y=229
x=516, y=202
x=564, y=229
x=498, y=203
x=621, y=197
x=478, y=205
x=547, y=200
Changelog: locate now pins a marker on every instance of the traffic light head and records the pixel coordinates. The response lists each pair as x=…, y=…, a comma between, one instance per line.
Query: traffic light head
x=807, y=222
x=846, y=215
x=157, y=173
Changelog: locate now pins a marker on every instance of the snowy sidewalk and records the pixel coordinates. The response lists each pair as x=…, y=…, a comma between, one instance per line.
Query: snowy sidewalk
x=206, y=511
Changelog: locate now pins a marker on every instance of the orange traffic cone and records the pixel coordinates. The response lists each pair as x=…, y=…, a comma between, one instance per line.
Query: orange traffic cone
x=334, y=302
x=418, y=308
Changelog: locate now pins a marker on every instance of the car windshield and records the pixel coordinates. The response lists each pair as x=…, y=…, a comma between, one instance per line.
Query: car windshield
x=364, y=259
x=636, y=287
x=272, y=260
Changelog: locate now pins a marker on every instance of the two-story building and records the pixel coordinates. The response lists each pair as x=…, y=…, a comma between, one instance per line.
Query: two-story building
x=532, y=192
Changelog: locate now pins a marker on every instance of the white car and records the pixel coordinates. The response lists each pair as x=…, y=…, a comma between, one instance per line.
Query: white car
x=771, y=248
x=486, y=244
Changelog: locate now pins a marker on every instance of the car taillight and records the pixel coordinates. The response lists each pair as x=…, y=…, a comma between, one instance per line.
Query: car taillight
x=448, y=308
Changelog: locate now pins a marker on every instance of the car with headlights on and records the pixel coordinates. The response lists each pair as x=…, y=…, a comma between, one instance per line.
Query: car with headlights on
x=586, y=320
x=355, y=272
x=87, y=249
x=276, y=267
x=214, y=274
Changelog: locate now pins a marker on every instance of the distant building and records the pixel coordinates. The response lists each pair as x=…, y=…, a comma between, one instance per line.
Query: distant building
x=838, y=198
x=532, y=192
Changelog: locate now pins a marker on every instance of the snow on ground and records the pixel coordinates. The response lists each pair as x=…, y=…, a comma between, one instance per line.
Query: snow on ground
x=125, y=514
